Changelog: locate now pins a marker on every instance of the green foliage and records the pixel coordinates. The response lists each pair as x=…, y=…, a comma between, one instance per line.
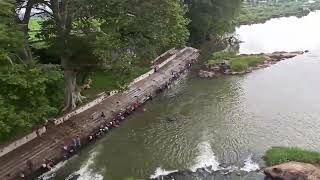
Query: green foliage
x=10, y=37
x=27, y=98
x=261, y=12
x=110, y=80
x=35, y=27
x=138, y=29
x=211, y=18
x=238, y=63
x=278, y=155
x=242, y=63
x=239, y=66
x=222, y=55
x=219, y=57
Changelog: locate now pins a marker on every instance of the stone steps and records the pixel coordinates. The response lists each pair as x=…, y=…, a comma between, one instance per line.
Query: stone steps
x=20, y=162
x=48, y=146
x=40, y=150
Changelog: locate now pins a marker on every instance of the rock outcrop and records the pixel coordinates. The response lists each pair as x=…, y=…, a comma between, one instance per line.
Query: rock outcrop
x=280, y=55
x=224, y=68
x=206, y=74
x=293, y=171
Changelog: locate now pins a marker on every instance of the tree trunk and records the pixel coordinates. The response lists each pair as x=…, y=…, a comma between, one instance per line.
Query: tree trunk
x=70, y=100
x=27, y=54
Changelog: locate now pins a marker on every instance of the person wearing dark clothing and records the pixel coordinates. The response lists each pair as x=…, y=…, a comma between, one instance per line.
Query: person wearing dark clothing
x=78, y=142
x=102, y=115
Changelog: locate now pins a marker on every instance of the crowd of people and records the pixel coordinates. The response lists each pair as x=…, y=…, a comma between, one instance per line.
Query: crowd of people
x=107, y=126
x=73, y=146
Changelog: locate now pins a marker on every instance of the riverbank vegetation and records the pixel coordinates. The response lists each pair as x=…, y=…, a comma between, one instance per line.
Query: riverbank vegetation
x=279, y=155
x=261, y=11
x=52, y=51
x=238, y=63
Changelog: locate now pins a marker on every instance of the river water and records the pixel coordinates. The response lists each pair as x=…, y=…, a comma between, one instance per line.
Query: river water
x=228, y=121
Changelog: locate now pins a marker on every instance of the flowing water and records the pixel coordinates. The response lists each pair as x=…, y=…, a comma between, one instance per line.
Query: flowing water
x=226, y=123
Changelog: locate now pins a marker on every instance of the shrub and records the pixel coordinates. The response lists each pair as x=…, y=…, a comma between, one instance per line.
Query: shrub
x=28, y=96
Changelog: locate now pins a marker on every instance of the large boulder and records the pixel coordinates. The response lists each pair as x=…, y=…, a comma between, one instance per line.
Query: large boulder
x=206, y=74
x=293, y=171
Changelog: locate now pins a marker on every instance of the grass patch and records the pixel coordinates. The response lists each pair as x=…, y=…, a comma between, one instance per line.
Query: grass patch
x=219, y=57
x=108, y=81
x=242, y=63
x=34, y=27
x=237, y=63
x=260, y=13
x=278, y=155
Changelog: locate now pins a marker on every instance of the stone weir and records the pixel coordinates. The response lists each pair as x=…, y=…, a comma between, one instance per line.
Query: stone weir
x=26, y=160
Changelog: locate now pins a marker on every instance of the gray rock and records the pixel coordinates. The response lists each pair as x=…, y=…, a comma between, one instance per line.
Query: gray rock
x=293, y=171
x=206, y=74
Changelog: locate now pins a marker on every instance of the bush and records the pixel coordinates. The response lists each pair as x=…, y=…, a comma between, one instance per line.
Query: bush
x=278, y=155
x=28, y=96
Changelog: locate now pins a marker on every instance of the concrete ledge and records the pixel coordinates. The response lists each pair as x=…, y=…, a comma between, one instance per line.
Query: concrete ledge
x=22, y=141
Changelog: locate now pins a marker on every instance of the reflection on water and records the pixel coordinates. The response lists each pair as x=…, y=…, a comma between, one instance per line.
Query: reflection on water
x=226, y=122
x=283, y=34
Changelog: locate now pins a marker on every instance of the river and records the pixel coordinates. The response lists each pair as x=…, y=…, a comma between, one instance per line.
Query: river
x=228, y=121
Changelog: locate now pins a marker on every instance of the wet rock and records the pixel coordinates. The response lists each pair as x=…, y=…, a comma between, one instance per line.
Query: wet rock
x=280, y=55
x=172, y=119
x=216, y=68
x=293, y=171
x=206, y=74
x=288, y=55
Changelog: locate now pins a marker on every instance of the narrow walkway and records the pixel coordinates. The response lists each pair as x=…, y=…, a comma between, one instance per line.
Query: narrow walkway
x=49, y=145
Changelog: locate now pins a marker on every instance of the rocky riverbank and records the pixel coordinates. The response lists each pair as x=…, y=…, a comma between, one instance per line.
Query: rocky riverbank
x=228, y=65
x=205, y=173
x=285, y=171
x=293, y=171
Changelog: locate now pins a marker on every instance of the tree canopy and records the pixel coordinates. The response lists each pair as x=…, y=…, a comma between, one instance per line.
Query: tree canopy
x=211, y=18
x=87, y=38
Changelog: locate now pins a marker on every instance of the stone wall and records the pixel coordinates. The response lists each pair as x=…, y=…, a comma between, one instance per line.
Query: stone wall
x=22, y=141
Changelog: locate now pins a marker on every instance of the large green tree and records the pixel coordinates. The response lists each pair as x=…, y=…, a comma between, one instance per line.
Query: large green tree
x=10, y=37
x=115, y=32
x=28, y=94
x=211, y=18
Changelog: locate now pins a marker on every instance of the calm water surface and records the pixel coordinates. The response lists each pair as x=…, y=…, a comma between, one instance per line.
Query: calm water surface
x=229, y=120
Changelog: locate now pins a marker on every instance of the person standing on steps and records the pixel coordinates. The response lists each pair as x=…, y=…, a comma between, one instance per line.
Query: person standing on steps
x=30, y=165
x=156, y=68
x=78, y=142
